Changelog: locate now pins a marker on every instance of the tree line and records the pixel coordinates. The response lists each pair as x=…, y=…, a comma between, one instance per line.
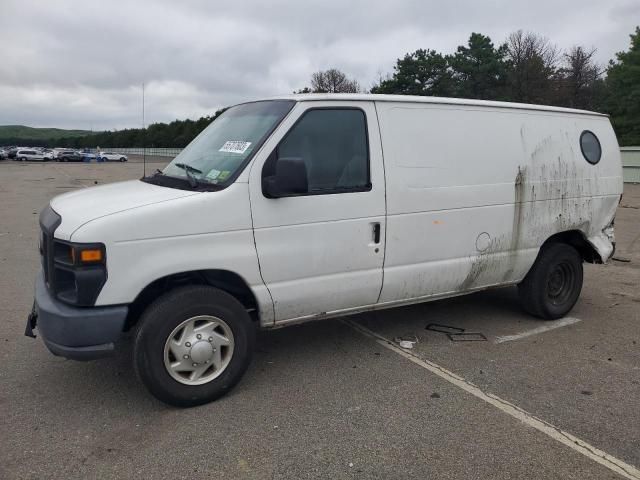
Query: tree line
x=526, y=68
x=176, y=134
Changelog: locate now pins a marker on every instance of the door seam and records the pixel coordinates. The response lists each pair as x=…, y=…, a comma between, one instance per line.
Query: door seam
x=384, y=182
x=255, y=247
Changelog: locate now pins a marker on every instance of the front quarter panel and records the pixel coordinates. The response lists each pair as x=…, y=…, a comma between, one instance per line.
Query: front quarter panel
x=208, y=231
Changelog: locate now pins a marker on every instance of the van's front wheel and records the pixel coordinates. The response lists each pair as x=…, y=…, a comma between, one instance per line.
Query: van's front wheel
x=553, y=285
x=193, y=345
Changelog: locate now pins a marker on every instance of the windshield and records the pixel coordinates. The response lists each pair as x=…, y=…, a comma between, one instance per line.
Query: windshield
x=224, y=147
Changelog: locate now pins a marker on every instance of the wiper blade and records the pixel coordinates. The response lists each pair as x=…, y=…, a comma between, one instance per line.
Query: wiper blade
x=189, y=170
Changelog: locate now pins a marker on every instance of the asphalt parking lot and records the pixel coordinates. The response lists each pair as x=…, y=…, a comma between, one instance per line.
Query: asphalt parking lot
x=335, y=399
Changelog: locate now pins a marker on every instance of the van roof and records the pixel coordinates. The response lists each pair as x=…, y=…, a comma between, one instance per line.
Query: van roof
x=368, y=97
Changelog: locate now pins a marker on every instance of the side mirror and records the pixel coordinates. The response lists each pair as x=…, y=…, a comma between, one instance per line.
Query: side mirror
x=290, y=178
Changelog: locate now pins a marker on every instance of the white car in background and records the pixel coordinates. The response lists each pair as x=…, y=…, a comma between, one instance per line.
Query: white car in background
x=49, y=154
x=30, y=154
x=112, y=157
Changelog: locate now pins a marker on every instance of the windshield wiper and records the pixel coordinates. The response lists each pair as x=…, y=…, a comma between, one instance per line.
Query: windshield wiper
x=189, y=170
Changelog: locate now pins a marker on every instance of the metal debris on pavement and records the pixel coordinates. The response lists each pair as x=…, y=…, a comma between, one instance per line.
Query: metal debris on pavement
x=467, y=337
x=407, y=341
x=436, y=327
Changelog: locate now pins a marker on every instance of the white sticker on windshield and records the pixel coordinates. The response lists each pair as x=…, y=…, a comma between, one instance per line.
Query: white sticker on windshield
x=235, y=146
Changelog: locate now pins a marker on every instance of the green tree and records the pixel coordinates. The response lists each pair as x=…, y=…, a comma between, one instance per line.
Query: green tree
x=423, y=72
x=623, y=84
x=479, y=69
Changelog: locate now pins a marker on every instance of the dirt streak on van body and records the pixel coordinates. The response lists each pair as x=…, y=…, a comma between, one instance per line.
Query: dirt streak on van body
x=554, y=192
x=501, y=254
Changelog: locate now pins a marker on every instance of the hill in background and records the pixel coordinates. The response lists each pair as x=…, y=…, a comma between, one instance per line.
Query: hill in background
x=13, y=133
x=176, y=134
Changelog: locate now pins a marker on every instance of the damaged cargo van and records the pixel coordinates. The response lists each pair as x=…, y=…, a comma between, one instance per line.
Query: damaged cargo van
x=314, y=206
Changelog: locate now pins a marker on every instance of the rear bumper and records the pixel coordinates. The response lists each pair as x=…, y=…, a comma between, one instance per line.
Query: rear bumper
x=604, y=243
x=72, y=332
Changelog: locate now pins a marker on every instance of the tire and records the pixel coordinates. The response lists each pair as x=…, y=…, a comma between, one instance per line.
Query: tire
x=23, y=159
x=163, y=320
x=553, y=285
x=123, y=159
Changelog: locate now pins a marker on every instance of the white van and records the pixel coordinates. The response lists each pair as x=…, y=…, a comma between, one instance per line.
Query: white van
x=314, y=206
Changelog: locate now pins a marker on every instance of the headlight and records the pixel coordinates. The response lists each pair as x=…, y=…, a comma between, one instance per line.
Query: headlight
x=79, y=272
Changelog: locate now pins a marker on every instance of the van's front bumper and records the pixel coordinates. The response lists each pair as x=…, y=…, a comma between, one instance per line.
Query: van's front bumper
x=78, y=333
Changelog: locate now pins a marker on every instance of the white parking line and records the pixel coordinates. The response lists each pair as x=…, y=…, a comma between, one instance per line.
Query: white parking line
x=580, y=446
x=544, y=328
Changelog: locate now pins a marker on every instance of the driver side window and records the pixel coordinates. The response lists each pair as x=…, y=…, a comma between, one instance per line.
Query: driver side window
x=333, y=145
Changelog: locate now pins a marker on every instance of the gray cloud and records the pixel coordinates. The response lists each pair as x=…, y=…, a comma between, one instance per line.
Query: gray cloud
x=81, y=64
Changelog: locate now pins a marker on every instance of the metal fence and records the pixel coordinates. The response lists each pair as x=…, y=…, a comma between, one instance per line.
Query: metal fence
x=149, y=151
x=630, y=158
x=630, y=164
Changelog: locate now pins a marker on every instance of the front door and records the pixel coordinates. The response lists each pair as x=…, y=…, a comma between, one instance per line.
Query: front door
x=323, y=250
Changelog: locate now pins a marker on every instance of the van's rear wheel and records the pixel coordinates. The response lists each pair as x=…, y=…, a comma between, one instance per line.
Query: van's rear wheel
x=553, y=285
x=193, y=345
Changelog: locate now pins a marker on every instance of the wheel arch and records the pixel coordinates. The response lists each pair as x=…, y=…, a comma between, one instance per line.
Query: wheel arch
x=226, y=280
x=577, y=240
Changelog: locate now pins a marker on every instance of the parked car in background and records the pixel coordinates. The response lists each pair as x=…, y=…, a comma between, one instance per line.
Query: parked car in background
x=88, y=156
x=112, y=157
x=3, y=154
x=32, y=154
x=69, y=156
x=12, y=152
x=49, y=154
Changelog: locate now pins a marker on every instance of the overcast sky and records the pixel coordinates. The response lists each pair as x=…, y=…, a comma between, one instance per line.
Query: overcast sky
x=80, y=64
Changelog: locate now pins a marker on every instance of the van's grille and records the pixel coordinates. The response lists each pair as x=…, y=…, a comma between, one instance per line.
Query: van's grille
x=49, y=221
x=44, y=247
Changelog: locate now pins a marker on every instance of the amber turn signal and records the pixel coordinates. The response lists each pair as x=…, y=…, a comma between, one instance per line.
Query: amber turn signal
x=90, y=255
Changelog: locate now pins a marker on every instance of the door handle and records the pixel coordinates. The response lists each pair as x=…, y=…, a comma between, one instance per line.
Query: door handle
x=376, y=233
